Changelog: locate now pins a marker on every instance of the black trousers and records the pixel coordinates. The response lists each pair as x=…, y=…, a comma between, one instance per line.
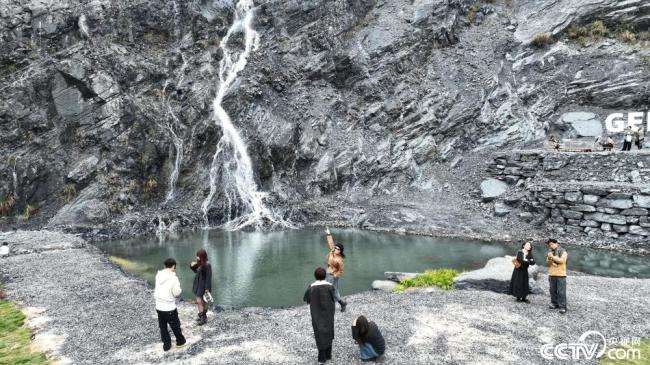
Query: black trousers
x=627, y=146
x=171, y=318
x=324, y=355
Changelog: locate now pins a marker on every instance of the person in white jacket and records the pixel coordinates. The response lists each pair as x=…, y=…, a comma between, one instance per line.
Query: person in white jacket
x=167, y=289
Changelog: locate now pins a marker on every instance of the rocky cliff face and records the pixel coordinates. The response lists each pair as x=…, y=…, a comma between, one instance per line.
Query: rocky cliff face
x=368, y=112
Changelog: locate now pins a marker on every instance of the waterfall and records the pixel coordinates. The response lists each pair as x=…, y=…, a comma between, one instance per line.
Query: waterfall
x=15, y=178
x=231, y=164
x=172, y=125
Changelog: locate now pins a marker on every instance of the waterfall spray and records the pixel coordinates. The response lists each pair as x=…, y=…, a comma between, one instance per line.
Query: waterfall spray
x=231, y=163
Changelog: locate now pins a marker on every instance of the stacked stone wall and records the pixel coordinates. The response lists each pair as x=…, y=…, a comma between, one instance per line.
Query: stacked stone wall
x=599, y=194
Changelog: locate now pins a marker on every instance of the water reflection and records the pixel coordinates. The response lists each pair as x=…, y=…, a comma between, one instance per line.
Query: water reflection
x=274, y=268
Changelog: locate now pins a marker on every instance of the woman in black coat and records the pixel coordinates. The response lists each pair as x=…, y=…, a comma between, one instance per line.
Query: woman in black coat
x=519, y=287
x=321, y=296
x=202, y=283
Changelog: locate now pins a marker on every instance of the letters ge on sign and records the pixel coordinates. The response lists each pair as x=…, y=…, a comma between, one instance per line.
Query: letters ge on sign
x=616, y=122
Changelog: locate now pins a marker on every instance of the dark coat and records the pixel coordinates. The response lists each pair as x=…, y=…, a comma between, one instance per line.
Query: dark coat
x=202, y=279
x=320, y=297
x=519, y=286
x=374, y=337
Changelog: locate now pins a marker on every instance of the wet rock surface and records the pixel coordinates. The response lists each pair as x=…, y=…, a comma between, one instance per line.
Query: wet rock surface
x=344, y=106
x=103, y=316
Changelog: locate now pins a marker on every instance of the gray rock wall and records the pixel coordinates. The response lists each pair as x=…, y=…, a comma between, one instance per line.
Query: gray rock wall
x=346, y=104
x=612, y=210
x=614, y=166
x=590, y=194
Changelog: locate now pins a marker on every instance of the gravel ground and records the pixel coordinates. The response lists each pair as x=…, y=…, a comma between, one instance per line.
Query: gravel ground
x=96, y=314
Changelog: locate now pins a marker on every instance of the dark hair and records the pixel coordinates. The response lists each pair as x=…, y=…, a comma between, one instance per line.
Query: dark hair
x=320, y=273
x=530, y=253
x=551, y=240
x=5, y=243
x=169, y=263
x=341, y=248
x=361, y=329
x=203, y=257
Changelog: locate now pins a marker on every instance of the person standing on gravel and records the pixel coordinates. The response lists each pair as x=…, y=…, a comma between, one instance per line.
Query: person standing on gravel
x=167, y=289
x=640, y=138
x=202, y=283
x=627, y=140
x=556, y=260
x=4, y=249
x=321, y=296
x=519, y=286
x=335, y=266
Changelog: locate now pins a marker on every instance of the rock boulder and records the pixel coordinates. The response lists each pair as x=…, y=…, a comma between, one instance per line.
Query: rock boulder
x=495, y=276
x=492, y=188
x=384, y=285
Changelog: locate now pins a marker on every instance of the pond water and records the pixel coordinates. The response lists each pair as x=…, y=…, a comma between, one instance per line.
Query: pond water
x=272, y=269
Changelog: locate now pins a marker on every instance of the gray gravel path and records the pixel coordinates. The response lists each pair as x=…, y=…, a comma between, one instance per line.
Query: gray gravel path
x=102, y=316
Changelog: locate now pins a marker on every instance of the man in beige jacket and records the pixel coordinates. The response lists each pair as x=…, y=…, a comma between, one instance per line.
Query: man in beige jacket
x=556, y=260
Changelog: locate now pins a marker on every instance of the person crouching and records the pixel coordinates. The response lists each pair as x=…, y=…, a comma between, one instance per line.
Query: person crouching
x=368, y=337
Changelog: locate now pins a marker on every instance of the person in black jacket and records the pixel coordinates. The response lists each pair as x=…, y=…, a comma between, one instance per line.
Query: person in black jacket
x=519, y=286
x=368, y=337
x=202, y=283
x=320, y=296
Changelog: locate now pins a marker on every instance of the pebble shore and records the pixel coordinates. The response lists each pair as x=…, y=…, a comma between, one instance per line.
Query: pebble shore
x=85, y=310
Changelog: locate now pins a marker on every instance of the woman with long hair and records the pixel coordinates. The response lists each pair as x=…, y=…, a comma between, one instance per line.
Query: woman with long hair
x=368, y=337
x=202, y=283
x=335, y=266
x=519, y=286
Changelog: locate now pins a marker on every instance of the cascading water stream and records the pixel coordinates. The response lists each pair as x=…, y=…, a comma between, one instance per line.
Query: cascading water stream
x=231, y=164
x=171, y=125
x=14, y=176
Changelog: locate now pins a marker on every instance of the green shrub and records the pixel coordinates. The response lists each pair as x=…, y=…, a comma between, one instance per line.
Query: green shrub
x=69, y=192
x=582, y=41
x=627, y=36
x=15, y=339
x=29, y=211
x=150, y=188
x=442, y=278
x=541, y=40
x=471, y=13
x=7, y=204
x=577, y=32
x=598, y=29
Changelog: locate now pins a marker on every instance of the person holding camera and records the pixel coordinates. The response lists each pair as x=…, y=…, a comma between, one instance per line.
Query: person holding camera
x=335, y=266
x=519, y=286
x=165, y=292
x=202, y=285
x=556, y=260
